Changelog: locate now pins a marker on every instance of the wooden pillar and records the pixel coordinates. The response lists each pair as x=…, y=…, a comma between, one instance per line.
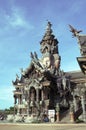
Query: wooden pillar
x=37, y=100
x=75, y=104
x=57, y=112
x=15, y=102
x=18, y=111
x=37, y=95
x=28, y=107
x=72, y=117
x=42, y=94
x=18, y=99
x=15, y=99
x=83, y=107
x=57, y=116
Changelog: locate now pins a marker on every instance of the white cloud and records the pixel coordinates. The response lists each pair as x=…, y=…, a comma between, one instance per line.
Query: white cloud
x=17, y=19
x=14, y=21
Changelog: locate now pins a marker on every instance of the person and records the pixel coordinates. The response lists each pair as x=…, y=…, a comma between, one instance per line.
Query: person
x=23, y=118
x=45, y=119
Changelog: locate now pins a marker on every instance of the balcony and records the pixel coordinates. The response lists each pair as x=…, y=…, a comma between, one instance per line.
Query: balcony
x=17, y=92
x=46, y=83
x=20, y=106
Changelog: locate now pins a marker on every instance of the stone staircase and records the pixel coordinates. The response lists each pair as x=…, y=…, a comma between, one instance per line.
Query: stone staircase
x=65, y=116
x=78, y=113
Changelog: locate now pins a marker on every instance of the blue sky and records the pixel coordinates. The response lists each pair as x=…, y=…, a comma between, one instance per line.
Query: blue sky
x=22, y=26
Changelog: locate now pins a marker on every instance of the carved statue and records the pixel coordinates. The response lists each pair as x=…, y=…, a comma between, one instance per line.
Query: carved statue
x=74, y=31
x=32, y=56
x=49, y=25
x=35, y=54
x=17, y=77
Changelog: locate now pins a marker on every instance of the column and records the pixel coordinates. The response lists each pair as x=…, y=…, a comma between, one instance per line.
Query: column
x=18, y=99
x=37, y=95
x=37, y=100
x=15, y=102
x=28, y=107
x=75, y=104
x=15, y=99
x=83, y=108
x=42, y=94
x=18, y=109
x=57, y=113
x=72, y=118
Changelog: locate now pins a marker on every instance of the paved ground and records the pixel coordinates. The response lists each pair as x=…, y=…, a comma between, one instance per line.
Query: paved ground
x=42, y=126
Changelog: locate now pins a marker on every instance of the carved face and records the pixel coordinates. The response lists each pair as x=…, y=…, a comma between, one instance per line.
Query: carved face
x=47, y=62
x=57, y=63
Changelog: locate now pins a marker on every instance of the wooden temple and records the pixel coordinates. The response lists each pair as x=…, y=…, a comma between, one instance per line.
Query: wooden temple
x=44, y=90
x=82, y=63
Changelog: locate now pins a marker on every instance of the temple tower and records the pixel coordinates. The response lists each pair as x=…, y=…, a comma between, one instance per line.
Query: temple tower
x=49, y=49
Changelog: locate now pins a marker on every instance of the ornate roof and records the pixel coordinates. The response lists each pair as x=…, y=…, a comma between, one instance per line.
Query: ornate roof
x=48, y=65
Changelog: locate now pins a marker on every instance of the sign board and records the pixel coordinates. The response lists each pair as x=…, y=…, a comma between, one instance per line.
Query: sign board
x=51, y=115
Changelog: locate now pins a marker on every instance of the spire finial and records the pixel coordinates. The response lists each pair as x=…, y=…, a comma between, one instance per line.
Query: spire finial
x=49, y=25
x=48, y=28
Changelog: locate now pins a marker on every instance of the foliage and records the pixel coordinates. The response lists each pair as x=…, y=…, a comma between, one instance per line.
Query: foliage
x=9, y=111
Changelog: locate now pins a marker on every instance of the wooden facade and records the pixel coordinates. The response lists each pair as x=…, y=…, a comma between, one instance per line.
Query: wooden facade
x=43, y=86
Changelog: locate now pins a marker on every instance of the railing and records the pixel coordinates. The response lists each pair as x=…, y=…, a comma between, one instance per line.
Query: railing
x=78, y=113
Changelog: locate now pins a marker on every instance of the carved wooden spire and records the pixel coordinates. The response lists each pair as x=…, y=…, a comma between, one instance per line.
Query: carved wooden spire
x=48, y=28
